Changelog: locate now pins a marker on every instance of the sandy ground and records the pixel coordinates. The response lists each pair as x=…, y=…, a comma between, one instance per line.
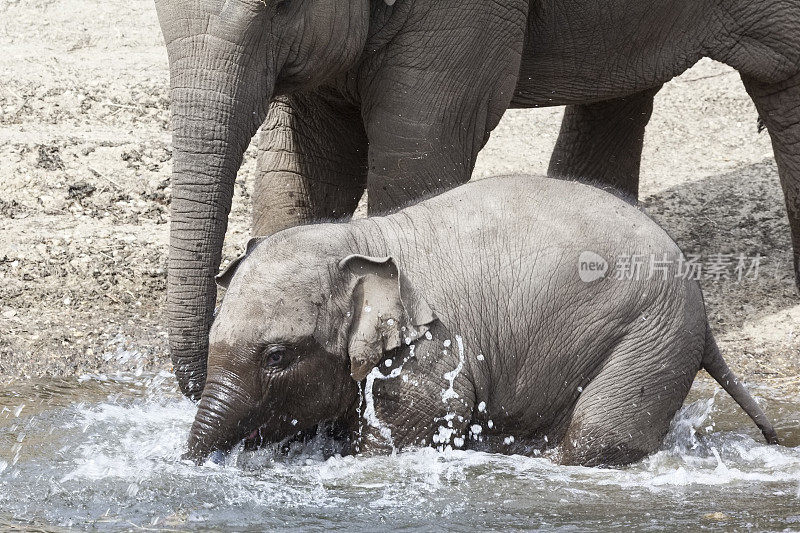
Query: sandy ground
x=85, y=161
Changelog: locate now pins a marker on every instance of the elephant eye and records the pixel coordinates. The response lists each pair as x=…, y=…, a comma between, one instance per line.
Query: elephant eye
x=275, y=355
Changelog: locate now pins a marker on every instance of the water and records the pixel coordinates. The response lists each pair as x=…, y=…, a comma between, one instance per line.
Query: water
x=105, y=454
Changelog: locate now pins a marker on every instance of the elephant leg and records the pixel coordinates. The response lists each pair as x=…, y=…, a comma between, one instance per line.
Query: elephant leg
x=603, y=141
x=430, y=110
x=312, y=162
x=778, y=105
x=761, y=40
x=410, y=408
x=624, y=413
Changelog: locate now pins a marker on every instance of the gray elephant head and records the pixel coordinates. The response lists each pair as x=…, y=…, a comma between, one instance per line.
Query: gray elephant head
x=228, y=58
x=301, y=324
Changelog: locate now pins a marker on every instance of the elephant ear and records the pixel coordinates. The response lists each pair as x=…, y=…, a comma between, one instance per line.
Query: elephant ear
x=224, y=278
x=385, y=312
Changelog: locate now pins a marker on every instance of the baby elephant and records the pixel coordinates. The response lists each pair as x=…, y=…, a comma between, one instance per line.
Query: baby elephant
x=513, y=314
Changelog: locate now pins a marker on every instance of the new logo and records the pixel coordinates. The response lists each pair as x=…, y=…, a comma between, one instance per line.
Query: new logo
x=591, y=266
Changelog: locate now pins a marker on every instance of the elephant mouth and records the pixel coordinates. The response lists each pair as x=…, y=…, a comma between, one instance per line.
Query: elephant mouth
x=266, y=434
x=256, y=439
x=329, y=434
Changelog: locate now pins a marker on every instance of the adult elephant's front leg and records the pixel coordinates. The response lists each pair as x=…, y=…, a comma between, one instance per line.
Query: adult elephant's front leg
x=413, y=162
x=312, y=162
x=602, y=142
x=444, y=83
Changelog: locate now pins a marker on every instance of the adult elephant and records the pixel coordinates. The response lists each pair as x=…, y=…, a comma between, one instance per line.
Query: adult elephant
x=399, y=96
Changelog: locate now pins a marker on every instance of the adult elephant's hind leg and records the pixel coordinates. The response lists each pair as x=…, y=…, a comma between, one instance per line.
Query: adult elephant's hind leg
x=602, y=142
x=312, y=162
x=624, y=413
x=778, y=105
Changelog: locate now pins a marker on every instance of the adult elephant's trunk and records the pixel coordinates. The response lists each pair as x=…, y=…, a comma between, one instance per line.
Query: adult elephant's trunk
x=217, y=424
x=221, y=86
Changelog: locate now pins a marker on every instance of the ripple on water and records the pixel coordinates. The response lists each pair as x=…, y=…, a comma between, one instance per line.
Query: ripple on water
x=112, y=459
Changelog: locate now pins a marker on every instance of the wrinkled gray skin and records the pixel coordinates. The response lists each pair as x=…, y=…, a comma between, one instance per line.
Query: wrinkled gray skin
x=465, y=322
x=399, y=99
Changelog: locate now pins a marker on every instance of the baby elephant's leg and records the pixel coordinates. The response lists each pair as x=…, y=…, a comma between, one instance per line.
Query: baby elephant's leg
x=625, y=411
x=419, y=397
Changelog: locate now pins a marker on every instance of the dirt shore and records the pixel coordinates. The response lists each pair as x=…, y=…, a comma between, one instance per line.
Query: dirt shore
x=85, y=161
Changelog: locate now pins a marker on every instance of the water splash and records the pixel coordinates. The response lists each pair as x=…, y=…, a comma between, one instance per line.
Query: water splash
x=110, y=459
x=369, y=411
x=451, y=376
x=370, y=414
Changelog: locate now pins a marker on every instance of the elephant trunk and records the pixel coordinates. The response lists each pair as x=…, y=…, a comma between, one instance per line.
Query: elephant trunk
x=202, y=192
x=218, y=424
x=221, y=87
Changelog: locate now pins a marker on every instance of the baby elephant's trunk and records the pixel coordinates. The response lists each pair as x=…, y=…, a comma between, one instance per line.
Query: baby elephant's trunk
x=217, y=423
x=716, y=366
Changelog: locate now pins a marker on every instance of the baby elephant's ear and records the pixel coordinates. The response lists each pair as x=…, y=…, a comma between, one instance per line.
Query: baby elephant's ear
x=385, y=312
x=224, y=278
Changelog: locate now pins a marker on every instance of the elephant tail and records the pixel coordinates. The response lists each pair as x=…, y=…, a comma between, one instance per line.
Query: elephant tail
x=716, y=366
